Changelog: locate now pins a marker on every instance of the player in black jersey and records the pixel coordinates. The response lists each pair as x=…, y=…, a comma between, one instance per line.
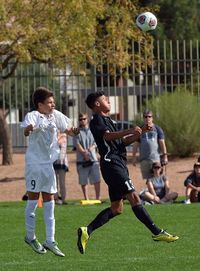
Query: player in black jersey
x=111, y=145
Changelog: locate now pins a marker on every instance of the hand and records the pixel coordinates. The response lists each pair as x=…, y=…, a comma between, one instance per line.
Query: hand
x=164, y=160
x=86, y=155
x=137, y=130
x=75, y=130
x=156, y=199
x=28, y=129
x=146, y=128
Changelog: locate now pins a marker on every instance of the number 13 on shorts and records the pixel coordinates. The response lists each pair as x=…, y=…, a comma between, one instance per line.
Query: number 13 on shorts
x=129, y=185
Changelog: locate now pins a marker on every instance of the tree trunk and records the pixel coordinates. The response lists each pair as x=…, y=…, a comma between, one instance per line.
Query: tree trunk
x=5, y=140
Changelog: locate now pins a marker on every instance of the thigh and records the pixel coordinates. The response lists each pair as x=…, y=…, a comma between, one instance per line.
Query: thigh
x=40, y=178
x=117, y=178
x=61, y=176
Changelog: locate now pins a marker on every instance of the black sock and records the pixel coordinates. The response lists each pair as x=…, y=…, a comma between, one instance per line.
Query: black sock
x=142, y=214
x=102, y=218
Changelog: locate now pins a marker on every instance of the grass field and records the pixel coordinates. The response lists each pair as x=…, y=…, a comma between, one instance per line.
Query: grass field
x=122, y=244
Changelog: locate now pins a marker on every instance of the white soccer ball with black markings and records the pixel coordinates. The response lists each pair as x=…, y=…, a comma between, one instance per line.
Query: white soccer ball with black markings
x=146, y=21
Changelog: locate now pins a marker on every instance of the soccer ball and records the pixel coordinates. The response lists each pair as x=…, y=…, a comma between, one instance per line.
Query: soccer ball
x=146, y=21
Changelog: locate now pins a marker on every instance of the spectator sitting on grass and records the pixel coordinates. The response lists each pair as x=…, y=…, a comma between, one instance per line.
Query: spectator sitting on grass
x=192, y=184
x=158, y=190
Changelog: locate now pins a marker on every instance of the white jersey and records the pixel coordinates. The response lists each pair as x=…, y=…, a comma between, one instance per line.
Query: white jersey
x=43, y=145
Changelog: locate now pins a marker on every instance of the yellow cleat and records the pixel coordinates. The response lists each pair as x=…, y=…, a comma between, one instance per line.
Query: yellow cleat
x=83, y=237
x=165, y=236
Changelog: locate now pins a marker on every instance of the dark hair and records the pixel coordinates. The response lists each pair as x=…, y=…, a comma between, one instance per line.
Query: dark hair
x=40, y=95
x=91, y=98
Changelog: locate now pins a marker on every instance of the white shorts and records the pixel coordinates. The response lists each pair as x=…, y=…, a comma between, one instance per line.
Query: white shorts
x=40, y=178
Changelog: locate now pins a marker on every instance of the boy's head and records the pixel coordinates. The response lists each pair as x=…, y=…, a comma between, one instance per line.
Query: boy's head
x=83, y=119
x=40, y=95
x=197, y=165
x=197, y=168
x=92, y=97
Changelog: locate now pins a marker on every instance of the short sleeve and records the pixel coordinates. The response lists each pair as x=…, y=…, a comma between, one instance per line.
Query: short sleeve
x=160, y=132
x=188, y=180
x=98, y=126
x=62, y=121
x=30, y=118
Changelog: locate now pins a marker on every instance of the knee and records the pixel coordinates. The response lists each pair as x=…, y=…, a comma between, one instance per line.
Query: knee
x=134, y=198
x=117, y=210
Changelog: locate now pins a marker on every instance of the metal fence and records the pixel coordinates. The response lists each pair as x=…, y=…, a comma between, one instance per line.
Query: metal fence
x=174, y=63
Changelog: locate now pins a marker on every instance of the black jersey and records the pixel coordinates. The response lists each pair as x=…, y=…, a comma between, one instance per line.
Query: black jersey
x=192, y=179
x=108, y=150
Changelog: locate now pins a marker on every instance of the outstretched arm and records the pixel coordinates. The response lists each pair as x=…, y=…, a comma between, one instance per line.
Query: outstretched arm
x=136, y=134
x=133, y=133
x=118, y=134
x=73, y=131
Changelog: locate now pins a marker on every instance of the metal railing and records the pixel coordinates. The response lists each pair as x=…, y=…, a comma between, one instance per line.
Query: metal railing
x=174, y=63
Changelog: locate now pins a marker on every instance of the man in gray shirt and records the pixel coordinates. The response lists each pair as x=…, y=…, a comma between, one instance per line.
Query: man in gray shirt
x=87, y=163
x=151, y=147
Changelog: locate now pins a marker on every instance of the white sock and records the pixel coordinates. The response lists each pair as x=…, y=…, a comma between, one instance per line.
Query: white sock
x=30, y=218
x=49, y=220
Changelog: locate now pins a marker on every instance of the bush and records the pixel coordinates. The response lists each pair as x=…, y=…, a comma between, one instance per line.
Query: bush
x=178, y=114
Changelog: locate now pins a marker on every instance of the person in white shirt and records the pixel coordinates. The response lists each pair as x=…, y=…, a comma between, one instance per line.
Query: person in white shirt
x=42, y=125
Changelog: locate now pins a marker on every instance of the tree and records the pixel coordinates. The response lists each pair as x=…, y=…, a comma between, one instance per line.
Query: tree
x=5, y=140
x=56, y=32
x=178, y=20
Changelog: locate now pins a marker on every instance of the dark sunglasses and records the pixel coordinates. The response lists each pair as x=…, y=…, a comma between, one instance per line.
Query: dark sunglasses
x=82, y=119
x=156, y=167
x=147, y=117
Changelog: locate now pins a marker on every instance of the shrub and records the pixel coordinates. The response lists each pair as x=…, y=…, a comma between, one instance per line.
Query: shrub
x=178, y=114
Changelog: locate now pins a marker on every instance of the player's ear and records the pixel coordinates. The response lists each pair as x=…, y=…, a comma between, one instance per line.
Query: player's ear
x=97, y=103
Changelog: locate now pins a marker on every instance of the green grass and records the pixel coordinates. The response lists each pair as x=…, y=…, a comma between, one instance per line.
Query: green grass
x=122, y=244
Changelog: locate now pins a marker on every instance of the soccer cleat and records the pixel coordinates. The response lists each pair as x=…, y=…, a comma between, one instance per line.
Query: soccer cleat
x=83, y=237
x=36, y=246
x=53, y=247
x=165, y=236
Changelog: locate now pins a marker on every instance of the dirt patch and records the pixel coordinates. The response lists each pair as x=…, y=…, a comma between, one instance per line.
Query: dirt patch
x=12, y=184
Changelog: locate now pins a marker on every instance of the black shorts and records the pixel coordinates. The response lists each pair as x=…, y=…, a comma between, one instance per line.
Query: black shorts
x=116, y=176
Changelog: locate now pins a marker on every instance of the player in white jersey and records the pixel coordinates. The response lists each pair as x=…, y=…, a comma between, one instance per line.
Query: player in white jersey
x=42, y=125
